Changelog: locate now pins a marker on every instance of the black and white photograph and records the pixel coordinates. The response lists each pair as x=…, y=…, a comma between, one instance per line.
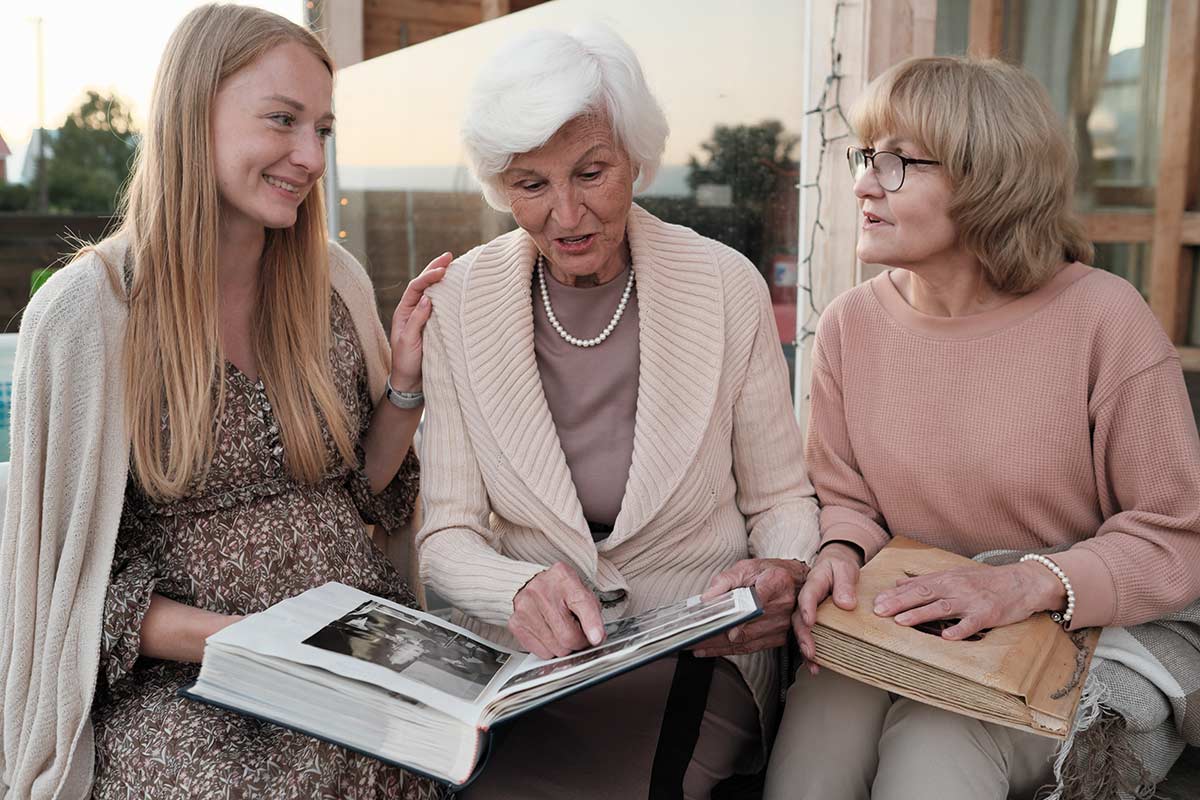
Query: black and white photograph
x=640, y=623
x=630, y=633
x=439, y=658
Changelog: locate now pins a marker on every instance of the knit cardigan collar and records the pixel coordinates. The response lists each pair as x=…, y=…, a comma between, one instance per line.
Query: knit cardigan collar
x=681, y=337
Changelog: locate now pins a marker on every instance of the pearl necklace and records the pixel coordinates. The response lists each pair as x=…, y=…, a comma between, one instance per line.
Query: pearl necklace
x=604, y=334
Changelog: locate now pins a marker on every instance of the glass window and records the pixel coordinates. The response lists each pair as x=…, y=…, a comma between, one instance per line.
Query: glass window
x=728, y=78
x=1102, y=63
x=1129, y=260
x=1193, y=338
x=952, y=27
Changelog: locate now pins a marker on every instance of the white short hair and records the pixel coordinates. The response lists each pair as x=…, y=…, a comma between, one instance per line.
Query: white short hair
x=542, y=80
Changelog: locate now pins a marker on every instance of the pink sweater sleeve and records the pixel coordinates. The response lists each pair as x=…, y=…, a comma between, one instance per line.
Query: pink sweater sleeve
x=849, y=510
x=1142, y=562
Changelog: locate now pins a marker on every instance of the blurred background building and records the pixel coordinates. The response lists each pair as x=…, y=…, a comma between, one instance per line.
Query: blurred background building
x=755, y=94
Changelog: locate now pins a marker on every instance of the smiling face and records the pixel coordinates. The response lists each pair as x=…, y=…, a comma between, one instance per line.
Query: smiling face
x=269, y=124
x=573, y=196
x=911, y=227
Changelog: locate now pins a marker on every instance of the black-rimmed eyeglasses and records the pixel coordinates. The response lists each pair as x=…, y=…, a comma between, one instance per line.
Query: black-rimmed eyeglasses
x=889, y=167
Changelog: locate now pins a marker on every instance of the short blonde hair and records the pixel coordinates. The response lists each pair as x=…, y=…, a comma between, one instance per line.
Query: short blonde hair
x=1010, y=165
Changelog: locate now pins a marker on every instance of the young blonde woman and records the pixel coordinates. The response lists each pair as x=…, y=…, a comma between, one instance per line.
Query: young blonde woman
x=198, y=433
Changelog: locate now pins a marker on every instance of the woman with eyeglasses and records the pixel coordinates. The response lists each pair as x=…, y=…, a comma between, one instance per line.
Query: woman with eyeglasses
x=989, y=391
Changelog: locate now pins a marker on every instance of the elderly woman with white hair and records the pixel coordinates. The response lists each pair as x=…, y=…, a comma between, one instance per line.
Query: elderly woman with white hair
x=608, y=430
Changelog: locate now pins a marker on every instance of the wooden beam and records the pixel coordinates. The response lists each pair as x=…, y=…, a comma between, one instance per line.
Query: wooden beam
x=1119, y=226
x=1190, y=229
x=455, y=12
x=899, y=29
x=1189, y=358
x=1170, y=268
x=985, y=32
x=491, y=9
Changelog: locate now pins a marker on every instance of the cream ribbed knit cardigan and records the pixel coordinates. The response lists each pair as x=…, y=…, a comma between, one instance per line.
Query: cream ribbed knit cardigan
x=70, y=461
x=717, y=472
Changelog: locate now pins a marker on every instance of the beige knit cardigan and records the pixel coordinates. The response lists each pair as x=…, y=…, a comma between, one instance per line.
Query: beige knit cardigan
x=70, y=461
x=717, y=473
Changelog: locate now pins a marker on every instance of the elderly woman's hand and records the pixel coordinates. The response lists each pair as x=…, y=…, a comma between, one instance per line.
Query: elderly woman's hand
x=408, y=324
x=978, y=596
x=555, y=614
x=775, y=581
x=834, y=573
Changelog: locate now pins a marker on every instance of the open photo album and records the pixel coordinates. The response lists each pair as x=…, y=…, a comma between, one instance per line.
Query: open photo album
x=410, y=688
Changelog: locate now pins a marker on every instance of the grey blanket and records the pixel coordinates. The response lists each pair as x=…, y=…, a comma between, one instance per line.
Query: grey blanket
x=1140, y=707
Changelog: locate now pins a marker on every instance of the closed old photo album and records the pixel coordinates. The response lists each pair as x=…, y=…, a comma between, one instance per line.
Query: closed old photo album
x=1028, y=675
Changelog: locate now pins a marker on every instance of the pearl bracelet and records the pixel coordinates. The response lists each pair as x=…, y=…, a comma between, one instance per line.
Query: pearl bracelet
x=1061, y=617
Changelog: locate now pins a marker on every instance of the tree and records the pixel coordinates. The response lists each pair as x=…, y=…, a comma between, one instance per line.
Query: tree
x=14, y=197
x=753, y=161
x=93, y=153
x=747, y=158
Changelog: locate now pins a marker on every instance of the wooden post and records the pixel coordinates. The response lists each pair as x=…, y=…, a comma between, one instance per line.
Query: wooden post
x=899, y=29
x=1170, y=268
x=985, y=34
x=870, y=37
x=494, y=8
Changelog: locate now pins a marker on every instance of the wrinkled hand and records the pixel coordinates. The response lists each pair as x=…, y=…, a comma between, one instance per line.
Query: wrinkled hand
x=979, y=596
x=775, y=580
x=408, y=325
x=555, y=614
x=834, y=573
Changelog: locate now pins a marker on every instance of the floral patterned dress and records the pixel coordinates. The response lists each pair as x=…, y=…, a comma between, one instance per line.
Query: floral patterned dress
x=250, y=537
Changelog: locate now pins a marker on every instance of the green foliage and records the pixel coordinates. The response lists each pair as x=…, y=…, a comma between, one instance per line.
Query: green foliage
x=92, y=156
x=747, y=158
x=14, y=197
x=750, y=159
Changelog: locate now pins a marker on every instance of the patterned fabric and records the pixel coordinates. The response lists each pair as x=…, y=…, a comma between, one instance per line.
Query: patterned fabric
x=1146, y=680
x=1140, y=706
x=248, y=538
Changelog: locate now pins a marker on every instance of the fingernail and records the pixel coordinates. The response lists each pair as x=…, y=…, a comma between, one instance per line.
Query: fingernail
x=735, y=635
x=424, y=301
x=806, y=650
x=594, y=635
x=446, y=253
x=880, y=608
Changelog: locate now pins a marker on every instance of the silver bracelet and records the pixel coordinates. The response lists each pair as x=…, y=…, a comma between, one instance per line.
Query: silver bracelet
x=404, y=400
x=1061, y=617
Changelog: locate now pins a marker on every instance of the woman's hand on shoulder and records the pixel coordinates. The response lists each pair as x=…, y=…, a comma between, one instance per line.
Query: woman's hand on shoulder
x=775, y=581
x=979, y=597
x=835, y=573
x=554, y=614
x=408, y=325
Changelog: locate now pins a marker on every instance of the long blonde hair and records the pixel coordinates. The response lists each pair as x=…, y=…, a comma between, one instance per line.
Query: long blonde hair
x=174, y=361
x=1010, y=164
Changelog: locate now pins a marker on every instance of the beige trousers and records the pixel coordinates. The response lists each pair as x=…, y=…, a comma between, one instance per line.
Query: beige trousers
x=845, y=740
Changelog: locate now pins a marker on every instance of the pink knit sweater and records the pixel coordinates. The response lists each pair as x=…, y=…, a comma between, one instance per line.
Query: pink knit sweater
x=1059, y=419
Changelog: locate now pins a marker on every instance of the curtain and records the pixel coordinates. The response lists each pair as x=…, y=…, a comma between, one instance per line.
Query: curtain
x=1093, y=34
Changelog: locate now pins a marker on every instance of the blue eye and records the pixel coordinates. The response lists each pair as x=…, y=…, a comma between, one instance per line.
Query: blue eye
x=287, y=120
